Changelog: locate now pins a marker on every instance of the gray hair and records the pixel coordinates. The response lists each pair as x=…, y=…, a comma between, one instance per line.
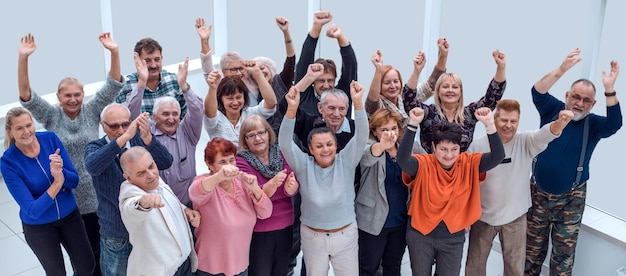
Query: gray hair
x=229, y=57
x=104, y=110
x=132, y=155
x=269, y=63
x=336, y=92
x=164, y=100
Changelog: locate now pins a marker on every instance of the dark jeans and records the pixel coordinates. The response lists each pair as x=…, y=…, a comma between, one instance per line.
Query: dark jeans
x=93, y=234
x=46, y=239
x=387, y=247
x=184, y=269
x=269, y=252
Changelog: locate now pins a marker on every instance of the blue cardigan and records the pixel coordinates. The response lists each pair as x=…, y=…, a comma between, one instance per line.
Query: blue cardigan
x=28, y=182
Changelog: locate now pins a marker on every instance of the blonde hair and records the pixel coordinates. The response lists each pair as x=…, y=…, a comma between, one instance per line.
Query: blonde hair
x=67, y=82
x=458, y=113
x=12, y=114
x=250, y=123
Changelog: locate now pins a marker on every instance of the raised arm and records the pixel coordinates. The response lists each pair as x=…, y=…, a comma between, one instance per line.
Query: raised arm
x=407, y=163
x=320, y=18
x=500, y=59
x=374, y=92
x=135, y=98
x=418, y=65
x=210, y=101
x=557, y=126
x=544, y=84
x=252, y=68
x=608, y=80
x=489, y=160
x=288, y=72
x=110, y=44
x=27, y=47
x=204, y=32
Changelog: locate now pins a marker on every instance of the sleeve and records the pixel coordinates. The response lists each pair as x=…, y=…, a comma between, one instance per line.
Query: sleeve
x=207, y=63
x=192, y=122
x=348, y=72
x=129, y=85
x=42, y=110
x=261, y=110
x=494, y=93
x=159, y=152
x=33, y=207
x=367, y=158
x=288, y=72
x=354, y=148
x=197, y=195
x=294, y=156
x=98, y=155
x=105, y=95
x=490, y=160
x=406, y=161
x=411, y=98
x=133, y=102
x=128, y=202
x=307, y=56
x=538, y=140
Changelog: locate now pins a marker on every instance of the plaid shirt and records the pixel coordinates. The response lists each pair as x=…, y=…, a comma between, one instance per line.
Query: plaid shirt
x=168, y=86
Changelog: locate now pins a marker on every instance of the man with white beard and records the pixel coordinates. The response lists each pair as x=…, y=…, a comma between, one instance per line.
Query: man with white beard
x=560, y=174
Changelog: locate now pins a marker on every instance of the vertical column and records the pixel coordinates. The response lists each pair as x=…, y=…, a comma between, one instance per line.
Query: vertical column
x=220, y=27
x=597, y=10
x=314, y=5
x=432, y=28
x=106, y=17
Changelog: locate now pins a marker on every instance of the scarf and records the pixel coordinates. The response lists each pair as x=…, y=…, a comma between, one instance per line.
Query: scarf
x=268, y=171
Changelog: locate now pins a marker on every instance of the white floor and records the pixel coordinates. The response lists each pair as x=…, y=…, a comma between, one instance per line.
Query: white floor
x=16, y=258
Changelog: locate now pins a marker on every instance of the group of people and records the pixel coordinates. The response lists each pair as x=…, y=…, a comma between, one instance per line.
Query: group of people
x=299, y=161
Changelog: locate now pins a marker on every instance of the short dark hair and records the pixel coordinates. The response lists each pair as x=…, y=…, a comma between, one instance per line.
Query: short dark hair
x=319, y=127
x=148, y=44
x=229, y=86
x=447, y=131
x=329, y=66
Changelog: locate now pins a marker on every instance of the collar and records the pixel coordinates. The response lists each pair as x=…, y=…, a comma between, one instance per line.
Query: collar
x=345, y=126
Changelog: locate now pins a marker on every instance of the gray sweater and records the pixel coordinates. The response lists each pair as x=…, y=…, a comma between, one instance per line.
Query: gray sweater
x=75, y=134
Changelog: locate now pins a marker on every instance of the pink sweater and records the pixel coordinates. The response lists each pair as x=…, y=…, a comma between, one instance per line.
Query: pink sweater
x=282, y=208
x=225, y=231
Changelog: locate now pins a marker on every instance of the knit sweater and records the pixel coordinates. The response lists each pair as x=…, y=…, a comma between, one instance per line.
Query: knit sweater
x=103, y=163
x=75, y=134
x=327, y=193
x=28, y=180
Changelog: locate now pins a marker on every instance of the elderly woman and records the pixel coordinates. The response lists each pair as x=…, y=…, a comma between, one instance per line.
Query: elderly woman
x=75, y=122
x=227, y=103
x=445, y=195
x=260, y=156
x=448, y=106
x=386, y=90
x=229, y=202
x=40, y=176
x=381, y=210
x=328, y=231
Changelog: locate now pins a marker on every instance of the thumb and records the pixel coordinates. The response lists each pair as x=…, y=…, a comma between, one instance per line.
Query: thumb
x=57, y=151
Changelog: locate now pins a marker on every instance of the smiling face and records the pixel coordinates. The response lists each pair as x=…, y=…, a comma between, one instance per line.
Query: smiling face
x=446, y=153
x=580, y=99
x=449, y=92
x=167, y=118
x=116, y=121
x=391, y=85
x=324, y=82
x=258, y=140
x=142, y=172
x=233, y=103
x=153, y=62
x=22, y=130
x=333, y=111
x=71, y=99
x=323, y=147
x=506, y=123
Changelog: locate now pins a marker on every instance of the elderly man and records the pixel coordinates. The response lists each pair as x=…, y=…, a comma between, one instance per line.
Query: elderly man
x=155, y=219
x=180, y=137
x=505, y=193
x=102, y=162
x=561, y=171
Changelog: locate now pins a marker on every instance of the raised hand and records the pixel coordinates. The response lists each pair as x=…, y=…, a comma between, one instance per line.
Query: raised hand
x=356, y=93
x=499, y=57
x=142, y=70
x=56, y=166
x=565, y=116
x=228, y=172
x=315, y=70
x=444, y=46
x=419, y=61
x=293, y=97
x=333, y=31
x=183, y=70
x=571, y=60
x=213, y=79
x=27, y=45
x=609, y=79
x=283, y=23
x=151, y=201
x=388, y=139
x=204, y=31
x=377, y=59
x=416, y=116
x=108, y=42
x=322, y=17
x=483, y=114
x=143, y=126
x=291, y=185
x=252, y=68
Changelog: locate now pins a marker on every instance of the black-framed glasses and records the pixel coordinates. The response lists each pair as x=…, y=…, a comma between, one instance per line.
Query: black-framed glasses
x=253, y=135
x=123, y=125
x=234, y=70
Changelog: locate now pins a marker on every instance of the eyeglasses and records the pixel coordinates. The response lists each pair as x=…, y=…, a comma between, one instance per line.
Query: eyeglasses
x=577, y=98
x=234, y=70
x=253, y=135
x=123, y=125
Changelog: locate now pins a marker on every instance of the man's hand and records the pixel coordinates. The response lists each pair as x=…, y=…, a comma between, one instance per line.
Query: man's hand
x=193, y=217
x=27, y=45
x=183, y=70
x=151, y=201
